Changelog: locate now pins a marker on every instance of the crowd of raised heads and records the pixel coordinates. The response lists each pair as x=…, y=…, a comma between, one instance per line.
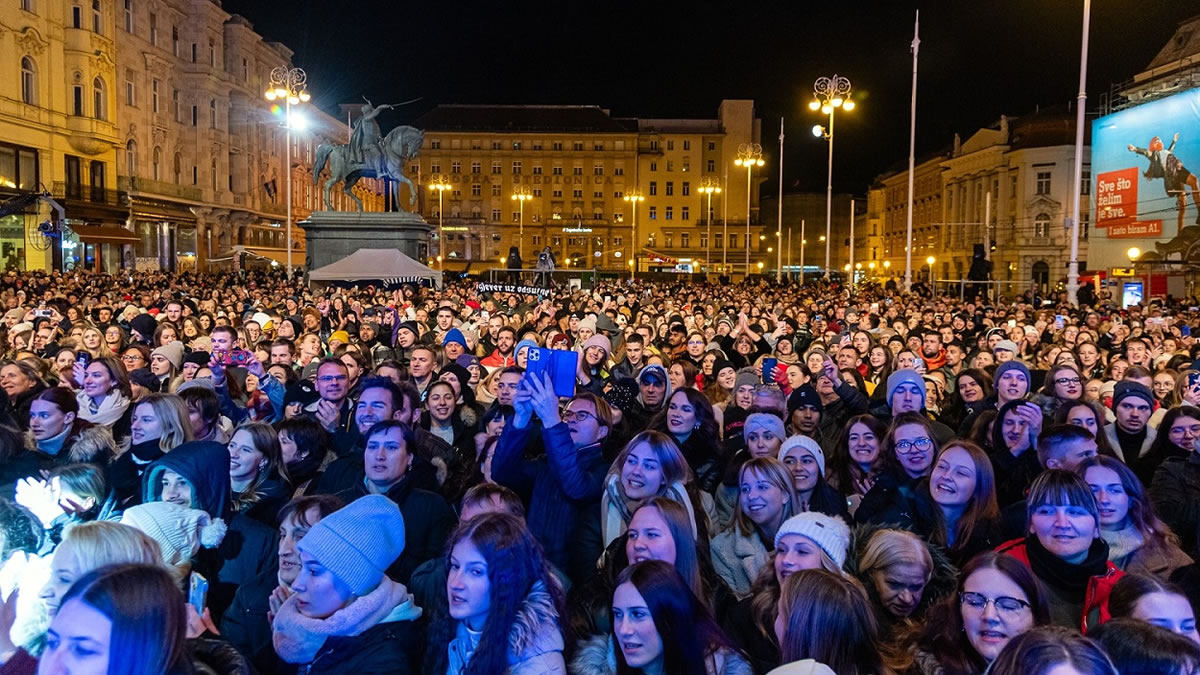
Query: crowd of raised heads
x=236, y=473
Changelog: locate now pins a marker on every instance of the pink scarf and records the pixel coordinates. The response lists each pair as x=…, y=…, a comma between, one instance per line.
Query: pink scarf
x=298, y=639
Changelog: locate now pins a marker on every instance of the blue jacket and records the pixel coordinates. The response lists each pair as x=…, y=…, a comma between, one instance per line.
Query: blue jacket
x=562, y=490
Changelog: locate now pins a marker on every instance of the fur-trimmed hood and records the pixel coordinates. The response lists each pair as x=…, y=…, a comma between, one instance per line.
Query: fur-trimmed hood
x=535, y=630
x=94, y=444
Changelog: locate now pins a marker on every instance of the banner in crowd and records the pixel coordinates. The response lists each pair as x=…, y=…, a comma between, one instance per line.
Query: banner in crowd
x=485, y=287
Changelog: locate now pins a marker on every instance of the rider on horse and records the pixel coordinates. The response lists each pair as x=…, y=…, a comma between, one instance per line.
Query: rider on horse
x=364, y=140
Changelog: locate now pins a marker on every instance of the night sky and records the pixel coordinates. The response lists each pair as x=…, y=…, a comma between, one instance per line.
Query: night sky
x=978, y=59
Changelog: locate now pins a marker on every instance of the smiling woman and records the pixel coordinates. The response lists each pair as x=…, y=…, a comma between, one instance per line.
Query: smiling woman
x=1064, y=550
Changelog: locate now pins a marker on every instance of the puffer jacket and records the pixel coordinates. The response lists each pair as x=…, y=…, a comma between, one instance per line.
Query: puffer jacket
x=535, y=643
x=597, y=656
x=738, y=558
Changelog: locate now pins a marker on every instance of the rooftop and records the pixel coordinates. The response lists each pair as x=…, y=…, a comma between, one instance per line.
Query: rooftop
x=523, y=119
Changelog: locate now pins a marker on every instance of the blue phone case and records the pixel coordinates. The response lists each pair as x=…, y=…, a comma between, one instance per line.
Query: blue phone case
x=558, y=363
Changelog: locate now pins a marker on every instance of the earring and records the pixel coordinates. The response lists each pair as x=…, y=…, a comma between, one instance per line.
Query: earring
x=696, y=427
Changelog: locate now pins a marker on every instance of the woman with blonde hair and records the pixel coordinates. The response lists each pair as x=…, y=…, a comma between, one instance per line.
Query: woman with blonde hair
x=806, y=541
x=92, y=340
x=159, y=424
x=650, y=465
x=903, y=576
x=766, y=499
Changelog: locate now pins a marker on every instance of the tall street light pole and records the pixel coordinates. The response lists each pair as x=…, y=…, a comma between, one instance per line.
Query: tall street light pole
x=1081, y=100
x=440, y=184
x=749, y=155
x=779, y=216
x=521, y=194
x=633, y=197
x=288, y=84
x=709, y=185
x=829, y=94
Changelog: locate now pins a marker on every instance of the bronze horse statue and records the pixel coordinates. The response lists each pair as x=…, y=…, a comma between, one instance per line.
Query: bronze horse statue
x=401, y=145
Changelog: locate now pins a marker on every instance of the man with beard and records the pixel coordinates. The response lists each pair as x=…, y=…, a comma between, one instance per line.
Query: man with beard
x=506, y=338
x=932, y=352
x=654, y=390
x=956, y=355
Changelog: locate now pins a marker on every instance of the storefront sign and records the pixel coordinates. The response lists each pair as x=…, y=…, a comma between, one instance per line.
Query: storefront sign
x=146, y=264
x=1135, y=230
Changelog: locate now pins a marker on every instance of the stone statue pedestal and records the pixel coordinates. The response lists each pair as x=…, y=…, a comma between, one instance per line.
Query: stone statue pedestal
x=333, y=235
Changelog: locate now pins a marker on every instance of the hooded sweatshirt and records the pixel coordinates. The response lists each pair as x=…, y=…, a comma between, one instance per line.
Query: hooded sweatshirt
x=249, y=548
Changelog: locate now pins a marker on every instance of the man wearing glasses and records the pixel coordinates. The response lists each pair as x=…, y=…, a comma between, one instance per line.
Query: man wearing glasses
x=565, y=485
x=334, y=411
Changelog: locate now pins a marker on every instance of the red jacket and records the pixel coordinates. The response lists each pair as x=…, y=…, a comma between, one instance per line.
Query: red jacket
x=496, y=360
x=1098, y=588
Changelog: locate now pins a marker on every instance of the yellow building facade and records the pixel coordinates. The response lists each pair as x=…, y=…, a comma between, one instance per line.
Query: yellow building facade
x=148, y=118
x=577, y=167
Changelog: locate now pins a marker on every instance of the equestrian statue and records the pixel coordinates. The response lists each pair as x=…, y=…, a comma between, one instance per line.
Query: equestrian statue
x=369, y=155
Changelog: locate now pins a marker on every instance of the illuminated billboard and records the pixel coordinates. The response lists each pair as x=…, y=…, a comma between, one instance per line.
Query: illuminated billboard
x=1145, y=191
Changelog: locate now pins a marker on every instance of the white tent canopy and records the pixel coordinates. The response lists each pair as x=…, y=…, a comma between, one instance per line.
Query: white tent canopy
x=387, y=266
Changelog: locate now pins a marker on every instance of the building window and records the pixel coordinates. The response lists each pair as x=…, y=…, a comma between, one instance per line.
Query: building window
x=195, y=116
x=1041, y=226
x=99, y=99
x=670, y=213
x=557, y=171
x=212, y=53
x=77, y=100
x=435, y=145
x=245, y=70
x=577, y=194
x=556, y=145
x=97, y=18
x=537, y=170
x=477, y=168
x=733, y=241
x=516, y=145
x=154, y=87
x=578, y=170
x=28, y=80
x=128, y=16
x=177, y=167
x=598, y=170
x=577, y=146
x=76, y=16
x=496, y=191
x=153, y=29
x=1085, y=182
x=476, y=190
x=669, y=240
x=619, y=171
x=654, y=166
x=687, y=145
x=670, y=188
x=684, y=213
x=653, y=188
x=495, y=215
x=176, y=108
x=684, y=240
x=212, y=173
x=653, y=145
x=710, y=166
x=704, y=241
x=516, y=166
x=456, y=166
x=155, y=159
x=175, y=40
x=212, y=113
x=130, y=89
x=131, y=157
x=598, y=194
x=496, y=168
x=1043, y=183
x=27, y=5
x=712, y=146
x=653, y=213
x=194, y=52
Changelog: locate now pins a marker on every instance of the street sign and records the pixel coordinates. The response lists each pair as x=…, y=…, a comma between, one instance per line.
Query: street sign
x=1122, y=271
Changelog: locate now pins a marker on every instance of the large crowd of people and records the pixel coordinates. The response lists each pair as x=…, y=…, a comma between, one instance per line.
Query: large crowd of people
x=235, y=473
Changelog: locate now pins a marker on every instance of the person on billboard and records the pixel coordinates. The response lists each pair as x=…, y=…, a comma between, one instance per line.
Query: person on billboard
x=1166, y=165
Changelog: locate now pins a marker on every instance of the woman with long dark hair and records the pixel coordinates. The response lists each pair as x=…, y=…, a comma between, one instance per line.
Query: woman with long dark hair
x=500, y=612
x=257, y=472
x=1138, y=542
x=826, y=617
x=660, y=626
x=996, y=600
x=857, y=459
x=908, y=458
x=1089, y=415
x=962, y=488
x=688, y=418
x=806, y=462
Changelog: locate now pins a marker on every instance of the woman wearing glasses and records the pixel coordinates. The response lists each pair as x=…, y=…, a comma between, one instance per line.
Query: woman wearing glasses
x=908, y=458
x=1063, y=385
x=997, y=599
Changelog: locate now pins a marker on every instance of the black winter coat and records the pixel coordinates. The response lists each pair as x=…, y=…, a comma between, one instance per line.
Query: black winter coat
x=393, y=648
x=1175, y=492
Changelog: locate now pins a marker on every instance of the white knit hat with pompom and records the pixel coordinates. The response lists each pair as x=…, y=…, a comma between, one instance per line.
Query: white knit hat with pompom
x=179, y=530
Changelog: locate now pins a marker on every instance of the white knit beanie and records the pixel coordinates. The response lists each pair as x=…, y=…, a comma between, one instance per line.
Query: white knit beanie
x=829, y=532
x=801, y=442
x=179, y=531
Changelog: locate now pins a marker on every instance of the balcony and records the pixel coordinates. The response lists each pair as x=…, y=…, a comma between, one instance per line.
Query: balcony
x=89, y=194
x=159, y=188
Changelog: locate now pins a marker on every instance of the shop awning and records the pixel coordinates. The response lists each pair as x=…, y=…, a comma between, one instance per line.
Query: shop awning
x=104, y=234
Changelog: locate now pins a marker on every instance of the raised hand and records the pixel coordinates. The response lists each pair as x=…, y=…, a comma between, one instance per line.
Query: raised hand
x=39, y=497
x=328, y=415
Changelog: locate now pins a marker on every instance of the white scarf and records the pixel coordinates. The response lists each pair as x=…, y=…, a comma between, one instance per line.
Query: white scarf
x=298, y=639
x=108, y=412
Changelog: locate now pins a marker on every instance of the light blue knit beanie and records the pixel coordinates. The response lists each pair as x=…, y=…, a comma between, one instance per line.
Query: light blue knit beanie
x=358, y=542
